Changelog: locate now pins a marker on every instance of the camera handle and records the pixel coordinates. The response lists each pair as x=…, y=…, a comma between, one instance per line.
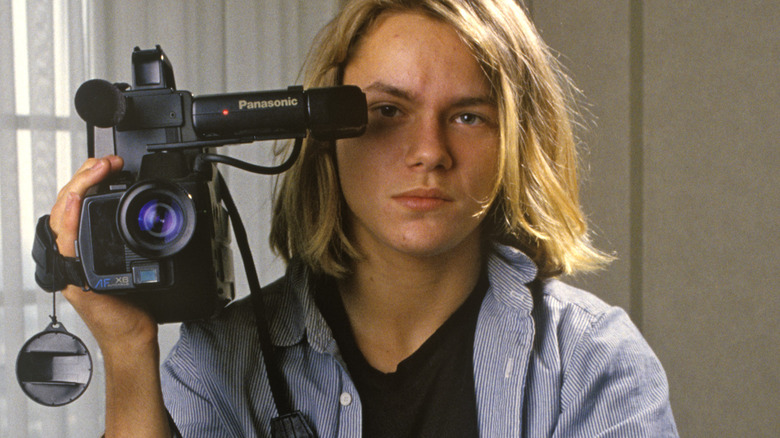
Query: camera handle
x=290, y=423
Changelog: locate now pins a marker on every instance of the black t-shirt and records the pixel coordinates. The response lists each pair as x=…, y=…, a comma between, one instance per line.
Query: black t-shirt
x=431, y=394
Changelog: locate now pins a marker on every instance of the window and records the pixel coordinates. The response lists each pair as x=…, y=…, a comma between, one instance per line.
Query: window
x=43, y=49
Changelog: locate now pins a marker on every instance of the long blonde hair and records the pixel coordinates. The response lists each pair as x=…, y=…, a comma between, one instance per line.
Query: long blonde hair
x=535, y=205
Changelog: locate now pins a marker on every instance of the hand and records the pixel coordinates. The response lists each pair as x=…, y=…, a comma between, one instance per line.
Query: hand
x=116, y=324
x=127, y=334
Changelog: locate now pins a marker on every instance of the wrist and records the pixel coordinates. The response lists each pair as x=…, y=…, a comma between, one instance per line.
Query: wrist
x=130, y=351
x=134, y=402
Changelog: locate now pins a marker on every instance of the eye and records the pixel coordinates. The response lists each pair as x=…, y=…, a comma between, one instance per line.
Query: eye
x=469, y=119
x=388, y=110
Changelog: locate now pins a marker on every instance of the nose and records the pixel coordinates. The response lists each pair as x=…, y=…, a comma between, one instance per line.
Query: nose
x=428, y=147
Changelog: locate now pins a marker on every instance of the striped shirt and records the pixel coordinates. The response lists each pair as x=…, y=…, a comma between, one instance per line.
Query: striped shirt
x=558, y=363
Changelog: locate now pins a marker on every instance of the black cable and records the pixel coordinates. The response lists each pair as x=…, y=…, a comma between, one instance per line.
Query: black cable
x=275, y=376
x=243, y=165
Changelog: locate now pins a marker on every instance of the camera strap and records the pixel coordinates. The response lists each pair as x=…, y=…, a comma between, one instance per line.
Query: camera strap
x=290, y=423
x=53, y=271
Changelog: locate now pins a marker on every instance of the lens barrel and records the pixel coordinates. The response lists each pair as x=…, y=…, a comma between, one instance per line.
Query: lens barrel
x=156, y=218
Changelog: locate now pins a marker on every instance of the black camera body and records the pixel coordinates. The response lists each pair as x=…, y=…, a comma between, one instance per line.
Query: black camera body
x=161, y=242
x=157, y=232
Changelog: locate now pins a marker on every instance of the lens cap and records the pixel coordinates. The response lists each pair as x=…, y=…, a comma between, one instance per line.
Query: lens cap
x=54, y=367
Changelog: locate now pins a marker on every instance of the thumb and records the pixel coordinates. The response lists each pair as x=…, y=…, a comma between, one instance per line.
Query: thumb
x=70, y=221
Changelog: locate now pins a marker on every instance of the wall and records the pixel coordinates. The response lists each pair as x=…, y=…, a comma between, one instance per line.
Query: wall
x=682, y=184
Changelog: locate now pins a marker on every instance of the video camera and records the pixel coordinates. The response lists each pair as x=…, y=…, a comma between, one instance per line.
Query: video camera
x=158, y=232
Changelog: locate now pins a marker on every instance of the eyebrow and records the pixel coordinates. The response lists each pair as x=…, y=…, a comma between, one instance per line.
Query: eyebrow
x=466, y=101
x=391, y=90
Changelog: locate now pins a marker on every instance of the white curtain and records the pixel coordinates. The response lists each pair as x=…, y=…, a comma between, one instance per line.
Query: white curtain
x=47, y=49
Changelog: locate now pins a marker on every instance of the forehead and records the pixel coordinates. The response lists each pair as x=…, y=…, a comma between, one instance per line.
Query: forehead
x=416, y=48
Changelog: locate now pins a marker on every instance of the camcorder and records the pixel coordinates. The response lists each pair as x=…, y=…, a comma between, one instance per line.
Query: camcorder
x=158, y=232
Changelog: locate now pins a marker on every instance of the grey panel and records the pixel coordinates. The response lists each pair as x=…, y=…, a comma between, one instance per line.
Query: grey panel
x=592, y=39
x=704, y=246
x=711, y=210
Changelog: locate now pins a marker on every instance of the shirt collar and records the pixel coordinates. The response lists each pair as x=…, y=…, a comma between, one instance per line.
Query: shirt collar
x=509, y=272
x=297, y=316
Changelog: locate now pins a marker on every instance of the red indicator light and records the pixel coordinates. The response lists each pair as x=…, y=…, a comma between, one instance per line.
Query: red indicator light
x=225, y=112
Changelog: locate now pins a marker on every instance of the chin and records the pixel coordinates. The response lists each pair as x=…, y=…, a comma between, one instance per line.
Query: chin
x=429, y=245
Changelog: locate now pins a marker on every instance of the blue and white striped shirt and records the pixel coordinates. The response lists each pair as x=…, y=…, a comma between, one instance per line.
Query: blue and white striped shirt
x=564, y=364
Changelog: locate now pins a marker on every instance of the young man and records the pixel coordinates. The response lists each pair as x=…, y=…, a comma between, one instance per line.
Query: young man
x=420, y=297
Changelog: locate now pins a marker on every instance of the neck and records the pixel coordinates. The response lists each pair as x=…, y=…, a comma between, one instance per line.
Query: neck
x=395, y=302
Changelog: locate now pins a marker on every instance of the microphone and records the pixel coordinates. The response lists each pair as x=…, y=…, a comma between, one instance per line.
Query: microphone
x=100, y=103
x=328, y=113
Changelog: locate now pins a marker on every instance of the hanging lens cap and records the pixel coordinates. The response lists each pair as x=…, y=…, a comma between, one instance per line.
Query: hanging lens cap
x=54, y=367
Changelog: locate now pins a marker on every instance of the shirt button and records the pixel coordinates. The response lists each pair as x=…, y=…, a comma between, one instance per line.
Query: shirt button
x=345, y=399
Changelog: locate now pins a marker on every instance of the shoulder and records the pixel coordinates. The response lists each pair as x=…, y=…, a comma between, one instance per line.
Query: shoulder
x=577, y=313
x=206, y=348
x=586, y=327
x=239, y=315
x=568, y=313
x=561, y=293
x=606, y=365
x=209, y=373
x=231, y=337
x=588, y=371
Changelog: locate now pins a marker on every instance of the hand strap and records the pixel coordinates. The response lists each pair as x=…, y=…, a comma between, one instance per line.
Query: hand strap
x=53, y=271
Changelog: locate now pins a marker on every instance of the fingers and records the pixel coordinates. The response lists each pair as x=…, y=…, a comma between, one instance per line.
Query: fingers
x=92, y=172
x=65, y=213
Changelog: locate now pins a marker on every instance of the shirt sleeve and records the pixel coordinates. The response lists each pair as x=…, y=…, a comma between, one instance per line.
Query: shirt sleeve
x=614, y=385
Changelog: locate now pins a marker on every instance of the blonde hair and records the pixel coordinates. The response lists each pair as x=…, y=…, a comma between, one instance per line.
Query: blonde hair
x=535, y=205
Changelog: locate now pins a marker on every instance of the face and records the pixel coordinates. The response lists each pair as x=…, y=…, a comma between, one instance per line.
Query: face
x=418, y=180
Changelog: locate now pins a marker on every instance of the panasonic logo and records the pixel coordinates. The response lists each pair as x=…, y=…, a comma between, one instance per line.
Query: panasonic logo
x=271, y=103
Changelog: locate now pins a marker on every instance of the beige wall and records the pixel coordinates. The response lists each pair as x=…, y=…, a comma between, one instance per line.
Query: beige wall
x=682, y=184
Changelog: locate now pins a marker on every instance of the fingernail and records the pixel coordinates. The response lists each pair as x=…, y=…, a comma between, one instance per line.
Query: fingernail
x=99, y=165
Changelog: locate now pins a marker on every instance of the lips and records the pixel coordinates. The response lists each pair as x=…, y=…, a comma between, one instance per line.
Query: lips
x=422, y=199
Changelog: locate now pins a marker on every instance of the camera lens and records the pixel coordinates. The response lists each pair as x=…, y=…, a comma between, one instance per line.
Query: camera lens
x=156, y=218
x=161, y=219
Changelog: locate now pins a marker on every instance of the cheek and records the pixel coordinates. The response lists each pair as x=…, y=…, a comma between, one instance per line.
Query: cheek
x=482, y=172
x=366, y=158
x=357, y=167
